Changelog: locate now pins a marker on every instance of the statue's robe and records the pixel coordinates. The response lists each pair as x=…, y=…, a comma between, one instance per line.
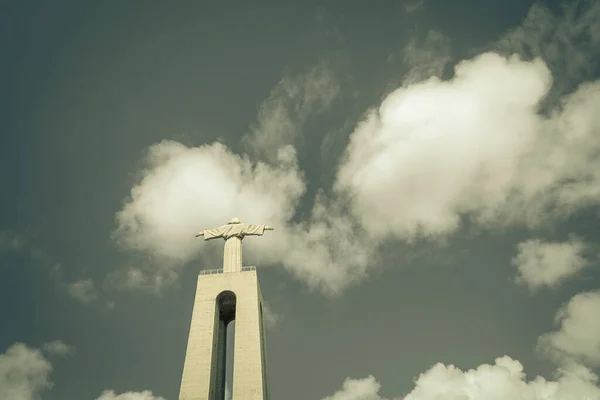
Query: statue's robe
x=229, y=230
x=233, y=235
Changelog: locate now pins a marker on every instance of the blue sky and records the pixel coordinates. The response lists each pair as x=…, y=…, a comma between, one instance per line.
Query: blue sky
x=430, y=169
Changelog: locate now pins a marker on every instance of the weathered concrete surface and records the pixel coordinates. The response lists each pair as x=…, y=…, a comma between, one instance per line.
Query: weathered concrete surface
x=200, y=371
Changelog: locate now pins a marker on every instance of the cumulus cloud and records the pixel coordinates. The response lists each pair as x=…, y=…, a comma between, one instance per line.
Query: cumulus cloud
x=437, y=149
x=24, y=373
x=433, y=154
x=475, y=146
x=548, y=263
x=283, y=114
x=357, y=389
x=185, y=189
x=145, y=395
x=579, y=335
x=328, y=250
x=567, y=42
x=83, y=290
x=58, y=348
x=503, y=380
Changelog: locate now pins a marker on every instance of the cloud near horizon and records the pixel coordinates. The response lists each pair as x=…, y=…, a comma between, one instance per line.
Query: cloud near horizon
x=144, y=395
x=575, y=347
x=503, y=380
x=578, y=339
x=25, y=371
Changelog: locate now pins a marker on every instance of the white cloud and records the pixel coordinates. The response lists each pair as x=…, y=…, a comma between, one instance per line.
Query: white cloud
x=291, y=102
x=548, y=263
x=145, y=395
x=579, y=335
x=576, y=343
x=328, y=250
x=357, y=389
x=432, y=154
x=567, y=42
x=185, y=189
x=58, y=348
x=83, y=290
x=439, y=151
x=24, y=373
x=270, y=317
x=504, y=380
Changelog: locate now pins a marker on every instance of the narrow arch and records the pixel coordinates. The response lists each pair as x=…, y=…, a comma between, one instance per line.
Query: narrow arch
x=225, y=307
x=263, y=353
x=226, y=301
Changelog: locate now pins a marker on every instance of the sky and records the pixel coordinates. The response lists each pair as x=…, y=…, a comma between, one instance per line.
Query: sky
x=431, y=170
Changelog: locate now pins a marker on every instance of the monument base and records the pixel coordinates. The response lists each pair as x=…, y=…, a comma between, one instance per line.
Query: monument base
x=221, y=298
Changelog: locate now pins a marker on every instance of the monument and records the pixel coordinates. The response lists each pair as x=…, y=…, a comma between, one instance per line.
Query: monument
x=222, y=296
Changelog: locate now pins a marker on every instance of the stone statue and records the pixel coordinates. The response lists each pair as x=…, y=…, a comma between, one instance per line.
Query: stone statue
x=233, y=232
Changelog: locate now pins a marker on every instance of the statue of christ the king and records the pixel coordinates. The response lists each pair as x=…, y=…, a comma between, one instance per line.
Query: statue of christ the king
x=233, y=232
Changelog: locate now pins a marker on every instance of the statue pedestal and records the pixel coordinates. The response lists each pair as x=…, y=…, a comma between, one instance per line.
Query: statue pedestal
x=221, y=298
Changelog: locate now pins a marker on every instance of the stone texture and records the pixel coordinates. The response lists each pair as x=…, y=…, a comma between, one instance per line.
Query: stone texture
x=200, y=369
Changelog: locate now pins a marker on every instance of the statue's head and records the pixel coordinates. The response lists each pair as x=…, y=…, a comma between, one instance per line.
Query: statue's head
x=234, y=220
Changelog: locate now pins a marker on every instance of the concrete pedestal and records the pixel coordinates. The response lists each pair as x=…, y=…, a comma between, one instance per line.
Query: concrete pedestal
x=221, y=298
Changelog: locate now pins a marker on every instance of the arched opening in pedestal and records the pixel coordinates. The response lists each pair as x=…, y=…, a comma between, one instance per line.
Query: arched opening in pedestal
x=223, y=362
x=229, y=360
x=263, y=354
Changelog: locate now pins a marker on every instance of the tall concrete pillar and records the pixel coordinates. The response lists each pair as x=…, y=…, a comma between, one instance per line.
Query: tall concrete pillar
x=220, y=299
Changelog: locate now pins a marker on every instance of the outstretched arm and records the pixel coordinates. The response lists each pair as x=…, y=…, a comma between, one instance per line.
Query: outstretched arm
x=251, y=230
x=212, y=233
